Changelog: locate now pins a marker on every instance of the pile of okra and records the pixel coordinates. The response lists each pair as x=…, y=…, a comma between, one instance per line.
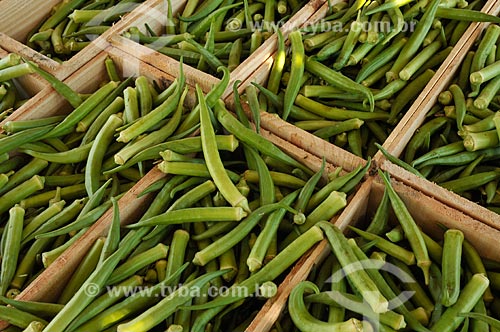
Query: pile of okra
x=212, y=33
x=350, y=77
x=74, y=24
x=397, y=278
x=458, y=144
x=229, y=217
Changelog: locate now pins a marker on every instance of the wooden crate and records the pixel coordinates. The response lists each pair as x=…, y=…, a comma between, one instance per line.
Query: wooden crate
x=429, y=204
x=287, y=131
x=415, y=117
x=19, y=17
x=428, y=213
x=48, y=285
x=156, y=17
x=402, y=133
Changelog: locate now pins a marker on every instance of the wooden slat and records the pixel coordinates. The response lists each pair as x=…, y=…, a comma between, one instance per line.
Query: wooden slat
x=47, y=102
x=14, y=46
x=441, y=194
x=194, y=76
x=164, y=63
x=19, y=17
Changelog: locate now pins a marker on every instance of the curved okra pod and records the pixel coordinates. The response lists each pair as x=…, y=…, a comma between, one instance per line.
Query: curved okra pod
x=356, y=304
x=414, y=41
x=257, y=253
x=142, y=124
x=248, y=136
x=338, y=80
x=134, y=264
x=156, y=137
x=212, y=97
x=16, y=140
x=269, y=272
x=212, y=157
x=387, y=246
x=72, y=156
x=97, y=152
x=308, y=323
x=357, y=275
x=64, y=90
x=20, y=125
x=229, y=240
x=182, y=146
x=113, y=239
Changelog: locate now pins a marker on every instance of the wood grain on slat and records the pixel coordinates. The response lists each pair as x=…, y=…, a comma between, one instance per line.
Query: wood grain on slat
x=441, y=194
x=310, y=143
x=13, y=46
x=19, y=17
x=164, y=63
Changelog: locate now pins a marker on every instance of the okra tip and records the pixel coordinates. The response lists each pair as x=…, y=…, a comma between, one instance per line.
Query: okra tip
x=243, y=203
x=253, y=264
x=424, y=265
